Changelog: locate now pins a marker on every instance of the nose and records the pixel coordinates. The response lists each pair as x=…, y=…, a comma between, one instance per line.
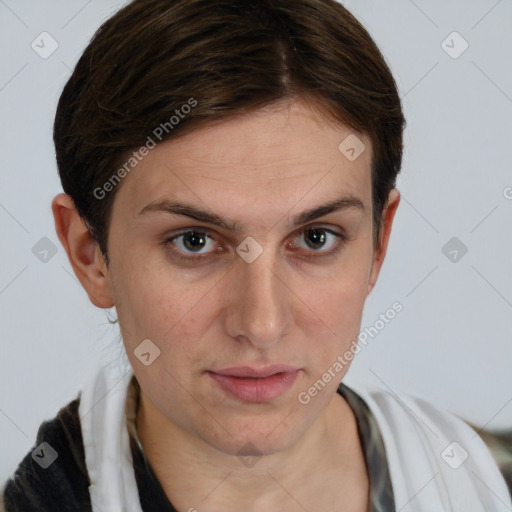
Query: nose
x=259, y=307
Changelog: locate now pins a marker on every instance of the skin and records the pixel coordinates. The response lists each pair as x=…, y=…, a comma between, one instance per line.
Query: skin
x=260, y=170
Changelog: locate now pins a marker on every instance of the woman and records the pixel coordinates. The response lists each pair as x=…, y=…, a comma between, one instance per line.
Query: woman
x=229, y=173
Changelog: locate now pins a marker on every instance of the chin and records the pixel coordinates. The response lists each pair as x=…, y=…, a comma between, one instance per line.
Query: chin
x=253, y=442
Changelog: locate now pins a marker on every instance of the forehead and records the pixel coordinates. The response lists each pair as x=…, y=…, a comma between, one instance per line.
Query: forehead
x=257, y=157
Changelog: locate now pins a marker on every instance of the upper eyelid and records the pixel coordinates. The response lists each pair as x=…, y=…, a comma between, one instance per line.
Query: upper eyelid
x=342, y=235
x=209, y=231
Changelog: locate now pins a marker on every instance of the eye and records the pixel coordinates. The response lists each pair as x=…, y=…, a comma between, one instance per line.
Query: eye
x=322, y=240
x=196, y=244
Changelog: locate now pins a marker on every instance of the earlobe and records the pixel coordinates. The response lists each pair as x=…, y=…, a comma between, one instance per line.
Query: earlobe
x=379, y=254
x=82, y=250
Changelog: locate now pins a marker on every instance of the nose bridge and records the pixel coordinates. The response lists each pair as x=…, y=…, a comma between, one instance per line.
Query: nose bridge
x=260, y=306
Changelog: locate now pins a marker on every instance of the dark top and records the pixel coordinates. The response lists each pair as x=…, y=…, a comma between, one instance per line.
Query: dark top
x=63, y=486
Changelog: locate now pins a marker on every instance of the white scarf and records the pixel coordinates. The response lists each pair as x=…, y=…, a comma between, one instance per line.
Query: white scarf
x=415, y=435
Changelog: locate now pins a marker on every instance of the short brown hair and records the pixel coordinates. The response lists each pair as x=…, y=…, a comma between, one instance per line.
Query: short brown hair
x=232, y=57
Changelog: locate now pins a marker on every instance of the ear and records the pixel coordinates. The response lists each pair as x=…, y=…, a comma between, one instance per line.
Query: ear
x=83, y=252
x=388, y=215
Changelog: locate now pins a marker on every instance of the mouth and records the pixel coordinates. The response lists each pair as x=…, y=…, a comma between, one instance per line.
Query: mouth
x=255, y=385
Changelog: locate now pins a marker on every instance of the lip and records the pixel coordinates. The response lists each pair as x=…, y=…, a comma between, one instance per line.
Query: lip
x=249, y=371
x=255, y=385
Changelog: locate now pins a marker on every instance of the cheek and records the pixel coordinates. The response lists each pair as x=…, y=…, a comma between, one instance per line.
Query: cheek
x=342, y=311
x=338, y=303
x=157, y=304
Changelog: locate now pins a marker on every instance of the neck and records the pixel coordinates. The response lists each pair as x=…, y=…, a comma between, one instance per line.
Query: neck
x=324, y=468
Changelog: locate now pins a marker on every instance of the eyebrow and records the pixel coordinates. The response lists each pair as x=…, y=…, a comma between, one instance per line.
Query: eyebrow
x=188, y=210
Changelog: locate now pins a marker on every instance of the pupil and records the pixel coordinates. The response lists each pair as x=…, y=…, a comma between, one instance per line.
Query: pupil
x=317, y=236
x=195, y=238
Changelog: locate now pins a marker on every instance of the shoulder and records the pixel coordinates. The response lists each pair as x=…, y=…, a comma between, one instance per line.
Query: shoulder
x=430, y=448
x=53, y=475
x=499, y=444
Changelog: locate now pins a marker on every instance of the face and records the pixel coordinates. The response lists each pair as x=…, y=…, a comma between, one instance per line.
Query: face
x=277, y=282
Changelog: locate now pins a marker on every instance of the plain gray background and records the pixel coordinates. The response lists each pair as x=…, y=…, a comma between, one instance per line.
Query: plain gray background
x=451, y=344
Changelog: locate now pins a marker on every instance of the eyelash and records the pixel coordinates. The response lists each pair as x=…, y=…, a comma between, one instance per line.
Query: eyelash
x=168, y=242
